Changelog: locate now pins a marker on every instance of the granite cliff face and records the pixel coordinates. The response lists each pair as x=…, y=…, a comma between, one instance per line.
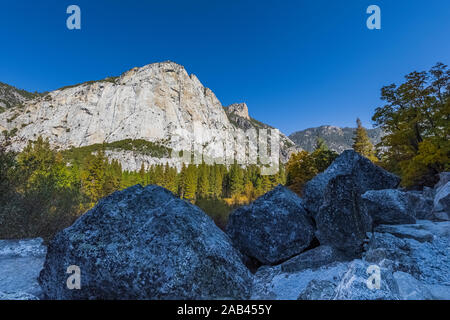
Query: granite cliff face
x=160, y=103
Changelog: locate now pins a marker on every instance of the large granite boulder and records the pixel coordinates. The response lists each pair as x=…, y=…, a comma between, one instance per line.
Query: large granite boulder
x=342, y=221
x=389, y=206
x=421, y=203
x=311, y=259
x=273, y=228
x=367, y=176
x=144, y=243
x=20, y=264
x=441, y=205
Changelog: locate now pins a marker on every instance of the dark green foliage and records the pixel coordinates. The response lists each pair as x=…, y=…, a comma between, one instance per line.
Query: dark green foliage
x=416, y=118
x=362, y=143
x=140, y=146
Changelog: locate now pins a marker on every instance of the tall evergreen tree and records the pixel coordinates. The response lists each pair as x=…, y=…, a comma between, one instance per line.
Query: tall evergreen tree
x=218, y=181
x=142, y=175
x=203, y=181
x=170, y=178
x=362, y=143
x=236, y=183
x=93, y=176
x=190, y=182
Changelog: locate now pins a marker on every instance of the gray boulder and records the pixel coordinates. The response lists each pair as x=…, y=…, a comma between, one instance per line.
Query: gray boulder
x=314, y=258
x=420, y=204
x=273, y=228
x=342, y=221
x=441, y=205
x=388, y=206
x=144, y=243
x=407, y=231
x=367, y=176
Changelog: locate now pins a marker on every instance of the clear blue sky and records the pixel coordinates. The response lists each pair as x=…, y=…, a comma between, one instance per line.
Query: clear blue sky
x=297, y=64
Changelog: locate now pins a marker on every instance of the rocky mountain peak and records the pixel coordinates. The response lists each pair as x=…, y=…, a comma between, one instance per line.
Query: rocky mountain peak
x=239, y=109
x=159, y=103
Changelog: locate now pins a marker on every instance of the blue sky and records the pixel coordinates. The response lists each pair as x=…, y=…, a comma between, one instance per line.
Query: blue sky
x=297, y=64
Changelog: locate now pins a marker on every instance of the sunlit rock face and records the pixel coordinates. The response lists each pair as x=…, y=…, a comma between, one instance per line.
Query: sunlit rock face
x=159, y=102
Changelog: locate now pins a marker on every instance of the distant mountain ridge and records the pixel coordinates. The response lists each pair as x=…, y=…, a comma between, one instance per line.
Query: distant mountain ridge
x=336, y=138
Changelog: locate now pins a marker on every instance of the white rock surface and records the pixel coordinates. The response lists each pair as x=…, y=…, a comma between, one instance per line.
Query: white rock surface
x=159, y=102
x=239, y=109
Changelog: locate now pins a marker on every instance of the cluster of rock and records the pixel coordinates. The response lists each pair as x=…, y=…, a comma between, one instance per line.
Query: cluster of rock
x=360, y=220
x=144, y=243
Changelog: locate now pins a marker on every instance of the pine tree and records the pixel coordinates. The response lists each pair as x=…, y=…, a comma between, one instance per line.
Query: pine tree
x=190, y=183
x=93, y=176
x=159, y=175
x=362, y=144
x=236, y=180
x=321, y=145
x=266, y=183
x=170, y=178
x=218, y=181
x=203, y=181
x=142, y=176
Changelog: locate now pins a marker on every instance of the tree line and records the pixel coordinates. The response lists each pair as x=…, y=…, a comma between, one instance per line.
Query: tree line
x=44, y=190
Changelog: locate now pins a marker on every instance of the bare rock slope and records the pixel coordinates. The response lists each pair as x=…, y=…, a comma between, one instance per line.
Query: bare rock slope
x=159, y=102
